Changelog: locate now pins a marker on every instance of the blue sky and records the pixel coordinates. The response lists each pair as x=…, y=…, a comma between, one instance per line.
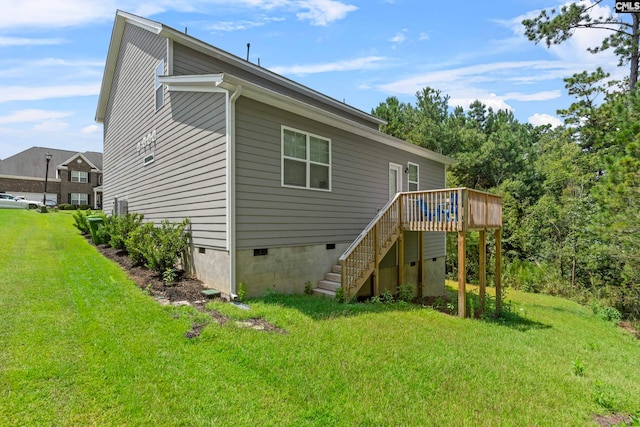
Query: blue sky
x=52, y=55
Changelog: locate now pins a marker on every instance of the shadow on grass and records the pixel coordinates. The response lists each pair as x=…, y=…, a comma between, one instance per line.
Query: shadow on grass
x=517, y=322
x=318, y=308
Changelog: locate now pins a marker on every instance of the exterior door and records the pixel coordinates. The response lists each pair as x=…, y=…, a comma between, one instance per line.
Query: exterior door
x=395, y=179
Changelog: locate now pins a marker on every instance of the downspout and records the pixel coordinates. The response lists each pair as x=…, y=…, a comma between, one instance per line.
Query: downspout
x=231, y=189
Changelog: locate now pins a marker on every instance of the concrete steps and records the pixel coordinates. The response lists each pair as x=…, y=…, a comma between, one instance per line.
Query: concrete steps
x=332, y=281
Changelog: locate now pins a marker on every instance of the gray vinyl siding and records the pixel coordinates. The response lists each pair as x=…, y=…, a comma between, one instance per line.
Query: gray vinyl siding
x=269, y=215
x=188, y=175
x=187, y=61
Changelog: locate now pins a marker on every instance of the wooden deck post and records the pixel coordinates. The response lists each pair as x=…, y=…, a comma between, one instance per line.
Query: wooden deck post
x=421, y=265
x=376, y=256
x=462, y=274
x=482, y=246
x=401, y=259
x=498, y=272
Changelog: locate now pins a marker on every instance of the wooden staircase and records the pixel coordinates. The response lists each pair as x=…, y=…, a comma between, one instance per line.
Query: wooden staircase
x=446, y=210
x=332, y=281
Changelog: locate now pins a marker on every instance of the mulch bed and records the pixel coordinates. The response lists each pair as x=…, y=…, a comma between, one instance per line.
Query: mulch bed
x=184, y=291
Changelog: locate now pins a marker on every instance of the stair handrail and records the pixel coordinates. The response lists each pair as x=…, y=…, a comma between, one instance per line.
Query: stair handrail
x=369, y=227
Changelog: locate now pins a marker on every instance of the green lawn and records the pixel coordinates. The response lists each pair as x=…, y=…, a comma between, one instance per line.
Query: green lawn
x=80, y=344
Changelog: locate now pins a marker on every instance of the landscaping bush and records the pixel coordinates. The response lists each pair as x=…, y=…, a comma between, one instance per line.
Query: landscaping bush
x=80, y=222
x=119, y=228
x=158, y=247
x=66, y=207
x=137, y=241
x=84, y=207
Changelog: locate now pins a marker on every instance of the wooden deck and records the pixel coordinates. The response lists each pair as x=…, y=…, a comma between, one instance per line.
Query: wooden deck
x=449, y=210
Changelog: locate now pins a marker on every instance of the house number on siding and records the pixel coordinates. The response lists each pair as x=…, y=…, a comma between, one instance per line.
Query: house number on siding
x=147, y=141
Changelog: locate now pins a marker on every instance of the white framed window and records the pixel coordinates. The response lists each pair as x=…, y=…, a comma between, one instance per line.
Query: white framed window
x=413, y=173
x=159, y=90
x=79, y=176
x=79, y=199
x=306, y=160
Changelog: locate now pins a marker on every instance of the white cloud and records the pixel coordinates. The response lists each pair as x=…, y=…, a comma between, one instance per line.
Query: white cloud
x=489, y=99
x=228, y=26
x=423, y=36
x=537, y=96
x=400, y=37
x=33, y=93
x=544, y=119
x=68, y=13
x=51, y=126
x=33, y=115
x=463, y=77
x=323, y=12
x=91, y=129
x=365, y=63
x=56, y=14
x=23, y=41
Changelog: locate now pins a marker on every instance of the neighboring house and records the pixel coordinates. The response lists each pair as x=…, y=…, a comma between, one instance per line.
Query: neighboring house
x=73, y=177
x=277, y=179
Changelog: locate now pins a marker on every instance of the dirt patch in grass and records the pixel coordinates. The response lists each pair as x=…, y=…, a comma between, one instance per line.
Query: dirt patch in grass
x=627, y=326
x=611, y=420
x=184, y=290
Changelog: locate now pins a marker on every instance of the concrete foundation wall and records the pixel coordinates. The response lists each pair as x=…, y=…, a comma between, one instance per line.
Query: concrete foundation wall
x=432, y=283
x=434, y=276
x=285, y=270
x=212, y=267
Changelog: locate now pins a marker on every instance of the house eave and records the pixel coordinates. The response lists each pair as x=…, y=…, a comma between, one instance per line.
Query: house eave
x=193, y=83
x=122, y=18
x=64, y=164
x=217, y=82
x=295, y=106
x=29, y=178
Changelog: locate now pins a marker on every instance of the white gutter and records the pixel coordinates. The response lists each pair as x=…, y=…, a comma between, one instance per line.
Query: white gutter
x=231, y=188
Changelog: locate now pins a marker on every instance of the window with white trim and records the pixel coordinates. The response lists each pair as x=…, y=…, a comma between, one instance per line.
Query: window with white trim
x=306, y=160
x=413, y=172
x=79, y=199
x=79, y=176
x=159, y=91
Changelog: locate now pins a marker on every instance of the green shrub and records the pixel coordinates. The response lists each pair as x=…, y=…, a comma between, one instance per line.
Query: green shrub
x=104, y=232
x=158, y=247
x=308, y=288
x=405, y=292
x=136, y=242
x=80, y=222
x=121, y=227
x=169, y=276
x=84, y=207
x=524, y=275
x=66, y=207
x=610, y=314
x=242, y=291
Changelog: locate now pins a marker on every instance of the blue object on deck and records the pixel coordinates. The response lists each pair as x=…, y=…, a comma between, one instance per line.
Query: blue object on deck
x=423, y=206
x=450, y=210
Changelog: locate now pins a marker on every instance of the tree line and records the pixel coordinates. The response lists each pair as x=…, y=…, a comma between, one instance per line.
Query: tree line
x=571, y=194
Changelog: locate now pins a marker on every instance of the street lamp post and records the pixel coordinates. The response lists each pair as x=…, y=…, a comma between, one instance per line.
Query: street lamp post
x=46, y=178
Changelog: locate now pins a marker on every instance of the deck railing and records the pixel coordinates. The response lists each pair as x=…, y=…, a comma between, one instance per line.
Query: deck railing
x=361, y=258
x=456, y=209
